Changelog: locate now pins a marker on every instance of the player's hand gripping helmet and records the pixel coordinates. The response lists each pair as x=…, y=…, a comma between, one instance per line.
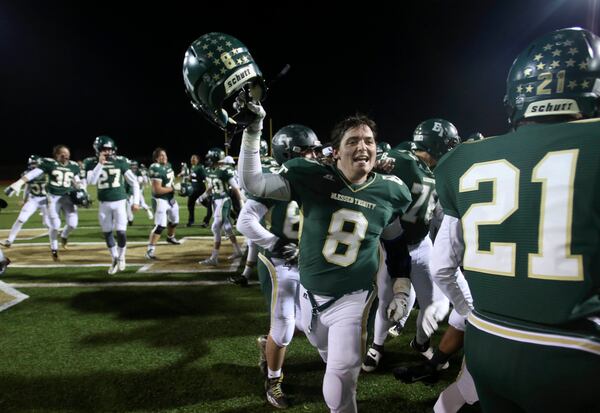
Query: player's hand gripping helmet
x=80, y=197
x=291, y=140
x=436, y=137
x=476, y=136
x=104, y=142
x=558, y=74
x=217, y=69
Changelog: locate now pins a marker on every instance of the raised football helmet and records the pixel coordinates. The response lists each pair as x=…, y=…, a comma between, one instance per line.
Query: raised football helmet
x=264, y=148
x=382, y=147
x=104, y=142
x=220, y=75
x=33, y=161
x=214, y=155
x=292, y=140
x=436, y=137
x=557, y=74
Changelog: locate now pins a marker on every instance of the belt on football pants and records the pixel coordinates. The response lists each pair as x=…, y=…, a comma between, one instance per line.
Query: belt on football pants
x=318, y=309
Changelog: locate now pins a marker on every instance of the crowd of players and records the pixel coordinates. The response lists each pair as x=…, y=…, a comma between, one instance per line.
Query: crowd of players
x=330, y=227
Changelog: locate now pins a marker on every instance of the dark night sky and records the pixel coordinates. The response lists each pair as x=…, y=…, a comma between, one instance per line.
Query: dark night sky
x=68, y=74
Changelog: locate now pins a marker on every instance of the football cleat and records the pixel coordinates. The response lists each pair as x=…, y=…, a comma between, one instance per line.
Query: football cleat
x=235, y=255
x=261, y=342
x=396, y=330
x=114, y=267
x=426, y=372
x=240, y=280
x=426, y=351
x=122, y=264
x=6, y=244
x=275, y=395
x=149, y=255
x=372, y=360
x=210, y=261
x=54, y=255
x=173, y=240
x=64, y=241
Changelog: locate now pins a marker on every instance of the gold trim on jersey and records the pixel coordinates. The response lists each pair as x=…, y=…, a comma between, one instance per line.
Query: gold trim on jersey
x=274, y=283
x=525, y=336
x=349, y=184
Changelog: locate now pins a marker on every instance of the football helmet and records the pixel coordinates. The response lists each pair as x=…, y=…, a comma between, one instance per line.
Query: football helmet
x=436, y=137
x=219, y=75
x=264, y=148
x=80, y=197
x=291, y=140
x=214, y=155
x=382, y=147
x=557, y=74
x=134, y=166
x=104, y=142
x=33, y=161
x=186, y=189
x=477, y=136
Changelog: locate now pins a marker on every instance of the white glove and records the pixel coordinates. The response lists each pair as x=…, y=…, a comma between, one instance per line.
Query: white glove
x=257, y=124
x=436, y=311
x=398, y=307
x=176, y=186
x=14, y=188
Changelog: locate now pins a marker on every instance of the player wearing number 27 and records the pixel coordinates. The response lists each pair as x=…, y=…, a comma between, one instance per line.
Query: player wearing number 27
x=109, y=172
x=522, y=218
x=345, y=208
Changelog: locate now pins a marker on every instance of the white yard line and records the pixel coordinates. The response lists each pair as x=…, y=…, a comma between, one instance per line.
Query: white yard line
x=123, y=284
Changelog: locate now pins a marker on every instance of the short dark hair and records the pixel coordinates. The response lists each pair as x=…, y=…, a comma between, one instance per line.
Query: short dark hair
x=58, y=148
x=156, y=152
x=351, y=122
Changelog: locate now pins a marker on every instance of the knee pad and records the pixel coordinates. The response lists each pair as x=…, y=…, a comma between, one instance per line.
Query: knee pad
x=282, y=331
x=158, y=229
x=110, y=239
x=121, y=238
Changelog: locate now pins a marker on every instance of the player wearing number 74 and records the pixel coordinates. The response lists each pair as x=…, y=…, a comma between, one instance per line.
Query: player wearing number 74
x=522, y=218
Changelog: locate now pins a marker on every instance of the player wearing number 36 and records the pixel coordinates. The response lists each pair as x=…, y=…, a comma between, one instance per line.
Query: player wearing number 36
x=522, y=218
x=345, y=208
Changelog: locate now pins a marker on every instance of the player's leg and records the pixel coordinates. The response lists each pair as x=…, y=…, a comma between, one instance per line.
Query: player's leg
x=129, y=211
x=228, y=229
x=120, y=222
x=346, y=319
x=105, y=218
x=54, y=214
x=71, y=218
x=172, y=221
x=26, y=212
x=216, y=230
x=285, y=281
x=160, y=223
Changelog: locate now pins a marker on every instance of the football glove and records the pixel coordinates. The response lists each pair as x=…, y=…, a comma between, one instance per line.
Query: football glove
x=257, y=124
x=14, y=188
x=176, y=187
x=398, y=307
x=435, y=312
x=286, y=250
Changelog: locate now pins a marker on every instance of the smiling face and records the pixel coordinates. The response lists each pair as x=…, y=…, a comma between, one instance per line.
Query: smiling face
x=356, y=154
x=62, y=155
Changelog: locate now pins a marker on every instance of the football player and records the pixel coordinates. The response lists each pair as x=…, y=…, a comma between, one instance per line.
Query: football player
x=279, y=256
x=35, y=198
x=345, y=208
x=63, y=176
x=521, y=218
x=142, y=181
x=221, y=181
x=165, y=205
x=109, y=172
x=197, y=177
x=432, y=139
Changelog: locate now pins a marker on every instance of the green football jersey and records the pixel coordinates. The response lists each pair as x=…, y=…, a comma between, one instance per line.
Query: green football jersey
x=529, y=205
x=60, y=176
x=419, y=179
x=341, y=224
x=37, y=187
x=165, y=174
x=218, y=179
x=197, y=175
x=111, y=185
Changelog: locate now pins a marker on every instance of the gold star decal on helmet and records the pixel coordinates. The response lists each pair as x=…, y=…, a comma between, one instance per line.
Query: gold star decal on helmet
x=221, y=37
x=558, y=36
x=568, y=42
x=538, y=57
x=570, y=63
x=556, y=52
x=223, y=70
x=216, y=77
x=228, y=43
x=572, y=51
x=585, y=84
x=239, y=61
x=204, y=46
x=220, y=48
x=245, y=59
x=519, y=89
x=555, y=64
x=528, y=71
x=583, y=65
x=209, y=55
x=547, y=47
x=572, y=84
x=216, y=62
x=540, y=66
x=529, y=88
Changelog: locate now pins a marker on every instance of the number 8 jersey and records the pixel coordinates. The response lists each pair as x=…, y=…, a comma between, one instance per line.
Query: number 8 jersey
x=529, y=219
x=341, y=224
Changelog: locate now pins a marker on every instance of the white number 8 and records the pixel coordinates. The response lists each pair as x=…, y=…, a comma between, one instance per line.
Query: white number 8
x=337, y=235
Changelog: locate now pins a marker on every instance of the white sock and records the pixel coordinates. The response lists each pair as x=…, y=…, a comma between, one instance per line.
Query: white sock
x=113, y=252
x=272, y=374
x=122, y=251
